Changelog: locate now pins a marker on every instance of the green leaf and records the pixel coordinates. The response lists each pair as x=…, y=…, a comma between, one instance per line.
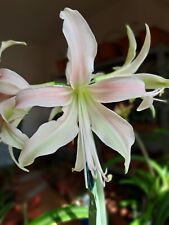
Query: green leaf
x=5, y=209
x=137, y=182
x=112, y=162
x=62, y=214
x=129, y=202
x=136, y=222
x=162, y=212
x=157, y=167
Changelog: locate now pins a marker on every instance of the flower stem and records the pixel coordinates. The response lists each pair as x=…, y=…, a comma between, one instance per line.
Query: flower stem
x=101, y=215
x=97, y=210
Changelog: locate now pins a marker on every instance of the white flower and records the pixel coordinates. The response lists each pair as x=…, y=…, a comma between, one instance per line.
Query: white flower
x=81, y=100
x=10, y=84
x=10, y=117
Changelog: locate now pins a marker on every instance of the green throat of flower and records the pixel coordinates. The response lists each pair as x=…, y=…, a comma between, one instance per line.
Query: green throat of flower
x=82, y=93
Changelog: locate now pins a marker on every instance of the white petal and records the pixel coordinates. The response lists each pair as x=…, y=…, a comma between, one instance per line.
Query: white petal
x=114, y=131
x=85, y=133
x=11, y=82
x=133, y=67
x=82, y=47
x=88, y=148
x=6, y=108
x=45, y=96
x=13, y=136
x=146, y=103
x=80, y=158
x=130, y=68
x=132, y=46
x=10, y=113
x=149, y=98
x=7, y=44
x=153, y=81
x=54, y=112
x=14, y=159
x=117, y=89
x=50, y=136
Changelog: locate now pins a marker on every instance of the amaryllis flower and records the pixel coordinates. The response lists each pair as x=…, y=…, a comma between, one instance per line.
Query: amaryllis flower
x=10, y=84
x=83, y=113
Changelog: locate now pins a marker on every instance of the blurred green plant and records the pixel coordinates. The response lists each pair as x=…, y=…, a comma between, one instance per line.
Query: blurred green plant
x=6, y=204
x=153, y=209
x=6, y=194
x=96, y=212
x=62, y=214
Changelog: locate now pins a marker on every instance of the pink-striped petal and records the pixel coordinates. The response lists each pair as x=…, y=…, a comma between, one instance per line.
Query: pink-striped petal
x=114, y=131
x=82, y=47
x=12, y=136
x=45, y=96
x=117, y=89
x=51, y=136
x=11, y=82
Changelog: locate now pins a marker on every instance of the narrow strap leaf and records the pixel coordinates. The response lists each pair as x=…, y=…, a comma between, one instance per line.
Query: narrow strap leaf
x=63, y=214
